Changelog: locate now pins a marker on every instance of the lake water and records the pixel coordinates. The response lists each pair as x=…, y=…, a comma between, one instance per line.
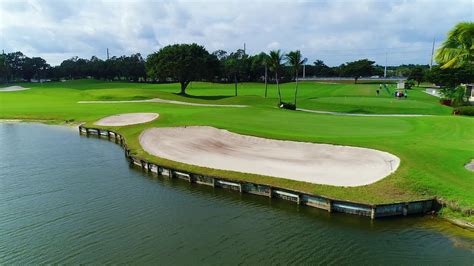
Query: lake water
x=71, y=199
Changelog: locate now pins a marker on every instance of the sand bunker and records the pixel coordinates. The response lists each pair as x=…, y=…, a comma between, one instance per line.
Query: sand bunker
x=158, y=100
x=13, y=88
x=309, y=162
x=470, y=166
x=127, y=119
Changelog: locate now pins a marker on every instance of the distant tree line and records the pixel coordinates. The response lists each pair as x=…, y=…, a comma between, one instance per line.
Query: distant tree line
x=174, y=62
x=17, y=66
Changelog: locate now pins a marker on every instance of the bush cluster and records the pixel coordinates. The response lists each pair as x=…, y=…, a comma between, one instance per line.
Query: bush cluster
x=464, y=110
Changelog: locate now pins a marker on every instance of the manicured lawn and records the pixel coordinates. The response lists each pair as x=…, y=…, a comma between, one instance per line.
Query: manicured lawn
x=432, y=149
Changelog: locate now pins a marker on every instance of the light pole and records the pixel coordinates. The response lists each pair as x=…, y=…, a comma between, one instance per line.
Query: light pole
x=304, y=67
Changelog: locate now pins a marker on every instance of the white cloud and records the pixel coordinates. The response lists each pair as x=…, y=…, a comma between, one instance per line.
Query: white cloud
x=335, y=31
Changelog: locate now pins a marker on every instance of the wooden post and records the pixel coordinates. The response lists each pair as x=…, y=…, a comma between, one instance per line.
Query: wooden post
x=270, y=192
x=160, y=170
x=372, y=212
x=329, y=205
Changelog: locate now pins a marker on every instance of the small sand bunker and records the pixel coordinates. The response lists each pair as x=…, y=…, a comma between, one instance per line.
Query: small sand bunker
x=309, y=162
x=470, y=166
x=13, y=88
x=127, y=119
x=158, y=100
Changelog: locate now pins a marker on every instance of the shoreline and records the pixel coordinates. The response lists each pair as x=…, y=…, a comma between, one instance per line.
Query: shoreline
x=458, y=222
x=301, y=198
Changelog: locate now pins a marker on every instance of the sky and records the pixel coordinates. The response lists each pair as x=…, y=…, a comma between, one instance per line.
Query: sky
x=335, y=31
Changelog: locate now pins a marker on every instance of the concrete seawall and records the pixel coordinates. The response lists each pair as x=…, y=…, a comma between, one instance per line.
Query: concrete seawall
x=301, y=198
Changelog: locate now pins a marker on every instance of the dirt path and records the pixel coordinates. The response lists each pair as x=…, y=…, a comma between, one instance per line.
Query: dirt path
x=158, y=100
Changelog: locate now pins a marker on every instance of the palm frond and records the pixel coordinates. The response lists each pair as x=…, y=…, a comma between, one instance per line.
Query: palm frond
x=458, y=49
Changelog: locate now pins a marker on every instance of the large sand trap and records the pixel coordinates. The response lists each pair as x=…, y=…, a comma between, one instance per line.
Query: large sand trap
x=309, y=162
x=13, y=88
x=158, y=100
x=127, y=119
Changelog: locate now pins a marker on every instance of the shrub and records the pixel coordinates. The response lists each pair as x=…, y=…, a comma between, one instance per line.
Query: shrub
x=288, y=106
x=409, y=84
x=446, y=102
x=464, y=110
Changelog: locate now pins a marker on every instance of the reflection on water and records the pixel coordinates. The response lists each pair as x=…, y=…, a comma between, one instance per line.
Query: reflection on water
x=70, y=199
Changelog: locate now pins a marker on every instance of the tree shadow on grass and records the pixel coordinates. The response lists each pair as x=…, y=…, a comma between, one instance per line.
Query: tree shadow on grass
x=360, y=111
x=210, y=98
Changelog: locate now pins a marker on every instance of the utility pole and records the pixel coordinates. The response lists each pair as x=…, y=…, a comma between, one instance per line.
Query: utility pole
x=432, y=54
x=244, y=48
x=107, y=53
x=385, y=68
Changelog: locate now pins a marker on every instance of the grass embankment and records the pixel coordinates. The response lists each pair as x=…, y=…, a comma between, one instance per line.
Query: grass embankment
x=432, y=149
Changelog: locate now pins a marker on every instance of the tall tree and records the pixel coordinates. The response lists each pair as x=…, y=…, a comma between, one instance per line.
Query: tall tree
x=34, y=67
x=295, y=60
x=183, y=63
x=15, y=62
x=275, y=61
x=260, y=68
x=322, y=70
x=458, y=49
x=4, y=68
x=357, y=69
x=265, y=59
x=450, y=77
x=235, y=65
x=417, y=74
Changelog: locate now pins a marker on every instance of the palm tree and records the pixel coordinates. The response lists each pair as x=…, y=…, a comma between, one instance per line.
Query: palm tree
x=276, y=57
x=458, y=49
x=265, y=61
x=295, y=61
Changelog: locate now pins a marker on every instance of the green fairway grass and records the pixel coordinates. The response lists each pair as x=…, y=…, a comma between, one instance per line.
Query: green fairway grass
x=432, y=149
